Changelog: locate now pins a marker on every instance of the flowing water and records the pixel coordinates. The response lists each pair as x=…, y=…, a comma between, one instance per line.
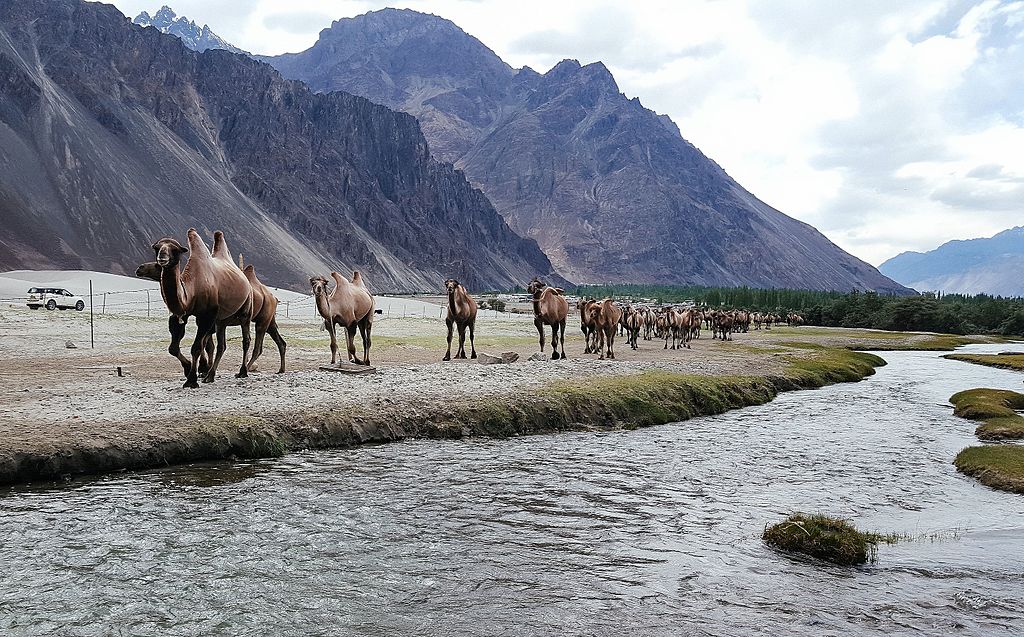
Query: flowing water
x=648, y=532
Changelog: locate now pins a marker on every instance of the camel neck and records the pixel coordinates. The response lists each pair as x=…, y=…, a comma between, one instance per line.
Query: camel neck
x=172, y=288
x=322, y=305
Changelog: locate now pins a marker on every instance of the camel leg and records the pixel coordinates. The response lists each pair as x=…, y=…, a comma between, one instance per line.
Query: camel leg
x=177, y=330
x=332, y=330
x=601, y=333
x=243, y=371
x=206, y=358
x=365, y=327
x=204, y=326
x=448, y=354
x=561, y=337
x=540, y=330
x=350, y=337
x=554, y=341
x=275, y=334
x=611, y=344
x=222, y=342
x=472, y=344
x=257, y=347
x=462, y=341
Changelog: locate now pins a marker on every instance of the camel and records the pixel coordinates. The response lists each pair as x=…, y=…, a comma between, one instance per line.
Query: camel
x=212, y=289
x=461, y=313
x=549, y=308
x=264, y=316
x=176, y=326
x=604, y=316
x=587, y=325
x=350, y=305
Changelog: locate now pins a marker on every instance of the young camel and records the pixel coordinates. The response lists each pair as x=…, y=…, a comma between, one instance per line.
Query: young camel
x=350, y=305
x=264, y=315
x=212, y=289
x=605, y=317
x=549, y=308
x=462, y=313
x=587, y=325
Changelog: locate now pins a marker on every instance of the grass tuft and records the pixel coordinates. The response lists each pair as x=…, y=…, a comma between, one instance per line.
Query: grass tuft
x=995, y=408
x=997, y=466
x=827, y=538
x=1002, y=361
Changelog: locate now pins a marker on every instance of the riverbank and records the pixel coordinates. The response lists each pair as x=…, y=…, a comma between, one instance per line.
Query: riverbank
x=1003, y=361
x=66, y=411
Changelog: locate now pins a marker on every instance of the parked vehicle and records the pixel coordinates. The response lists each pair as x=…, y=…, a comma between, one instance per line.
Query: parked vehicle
x=53, y=298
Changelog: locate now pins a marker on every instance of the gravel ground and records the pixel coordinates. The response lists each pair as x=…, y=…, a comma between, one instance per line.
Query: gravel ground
x=48, y=389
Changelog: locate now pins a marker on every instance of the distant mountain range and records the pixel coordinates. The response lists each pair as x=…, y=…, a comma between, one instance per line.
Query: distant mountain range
x=609, y=189
x=113, y=135
x=994, y=265
x=195, y=37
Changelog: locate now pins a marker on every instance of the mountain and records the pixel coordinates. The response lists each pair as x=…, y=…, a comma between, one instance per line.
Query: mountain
x=609, y=189
x=194, y=37
x=992, y=265
x=113, y=135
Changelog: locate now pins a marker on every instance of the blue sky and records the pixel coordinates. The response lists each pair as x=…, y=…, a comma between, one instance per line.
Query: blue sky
x=889, y=126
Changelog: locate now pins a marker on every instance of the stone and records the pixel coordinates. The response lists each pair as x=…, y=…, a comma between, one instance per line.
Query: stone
x=538, y=357
x=70, y=345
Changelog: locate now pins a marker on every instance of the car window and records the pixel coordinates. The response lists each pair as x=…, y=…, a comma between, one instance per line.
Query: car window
x=33, y=291
x=66, y=293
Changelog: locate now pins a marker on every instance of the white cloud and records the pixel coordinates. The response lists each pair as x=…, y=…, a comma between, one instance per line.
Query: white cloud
x=868, y=119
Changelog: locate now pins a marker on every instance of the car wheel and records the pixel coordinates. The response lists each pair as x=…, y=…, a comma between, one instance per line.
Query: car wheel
x=80, y=306
x=51, y=305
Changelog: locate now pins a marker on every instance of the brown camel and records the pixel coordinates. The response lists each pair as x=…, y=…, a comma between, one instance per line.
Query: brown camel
x=350, y=305
x=587, y=325
x=212, y=289
x=549, y=308
x=605, y=317
x=264, y=316
x=461, y=313
x=176, y=326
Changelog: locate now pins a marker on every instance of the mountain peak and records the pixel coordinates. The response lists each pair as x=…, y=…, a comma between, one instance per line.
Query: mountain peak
x=195, y=37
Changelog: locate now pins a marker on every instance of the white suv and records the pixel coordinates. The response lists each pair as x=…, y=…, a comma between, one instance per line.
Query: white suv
x=52, y=298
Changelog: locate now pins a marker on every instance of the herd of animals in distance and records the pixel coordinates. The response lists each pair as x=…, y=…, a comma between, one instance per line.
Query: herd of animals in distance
x=220, y=293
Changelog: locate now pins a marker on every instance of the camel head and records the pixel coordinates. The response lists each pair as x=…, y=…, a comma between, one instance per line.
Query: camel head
x=535, y=286
x=150, y=270
x=318, y=285
x=168, y=252
x=451, y=285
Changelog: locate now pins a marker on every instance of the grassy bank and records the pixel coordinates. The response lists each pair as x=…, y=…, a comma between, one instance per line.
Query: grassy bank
x=995, y=408
x=620, y=401
x=1003, y=361
x=997, y=466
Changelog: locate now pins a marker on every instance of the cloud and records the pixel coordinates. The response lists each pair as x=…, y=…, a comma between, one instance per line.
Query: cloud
x=297, y=23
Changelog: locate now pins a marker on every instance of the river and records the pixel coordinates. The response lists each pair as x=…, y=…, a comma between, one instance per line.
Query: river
x=647, y=532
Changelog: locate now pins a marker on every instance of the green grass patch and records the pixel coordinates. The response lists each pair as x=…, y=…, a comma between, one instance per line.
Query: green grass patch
x=996, y=408
x=1003, y=361
x=826, y=538
x=997, y=466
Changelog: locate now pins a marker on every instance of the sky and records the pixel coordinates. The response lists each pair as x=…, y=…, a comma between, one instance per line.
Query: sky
x=889, y=126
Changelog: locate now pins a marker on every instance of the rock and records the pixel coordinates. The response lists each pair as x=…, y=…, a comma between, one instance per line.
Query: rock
x=509, y=357
x=70, y=345
x=537, y=357
x=487, y=359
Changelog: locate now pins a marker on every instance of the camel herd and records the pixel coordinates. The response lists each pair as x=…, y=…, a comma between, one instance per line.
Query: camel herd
x=219, y=293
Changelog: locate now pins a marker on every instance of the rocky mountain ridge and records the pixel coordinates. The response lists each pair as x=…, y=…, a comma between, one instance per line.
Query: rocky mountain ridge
x=609, y=189
x=195, y=37
x=113, y=135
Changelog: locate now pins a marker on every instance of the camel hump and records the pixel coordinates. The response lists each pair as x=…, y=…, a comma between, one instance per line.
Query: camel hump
x=197, y=248
x=357, y=278
x=558, y=291
x=241, y=261
x=220, y=247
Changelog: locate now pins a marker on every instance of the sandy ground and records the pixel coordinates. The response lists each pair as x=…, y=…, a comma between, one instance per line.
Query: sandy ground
x=47, y=387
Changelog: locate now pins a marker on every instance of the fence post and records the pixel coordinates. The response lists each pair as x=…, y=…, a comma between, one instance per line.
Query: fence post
x=104, y=303
x=147, y=303
x=287, y=309
x=92, y=329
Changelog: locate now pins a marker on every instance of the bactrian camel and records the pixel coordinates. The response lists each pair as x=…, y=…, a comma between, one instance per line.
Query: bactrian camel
x=461, y=313
x=176, y=326
x=264, y=316
x=604, y=316
x=350, y=305
x=549, y=308
x=212, y=289
x=587, y=325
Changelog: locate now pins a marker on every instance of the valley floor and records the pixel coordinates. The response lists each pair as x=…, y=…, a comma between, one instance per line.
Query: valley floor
x=66, y=410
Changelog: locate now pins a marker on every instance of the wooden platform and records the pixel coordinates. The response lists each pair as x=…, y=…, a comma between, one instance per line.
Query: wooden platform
x=349, y=368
